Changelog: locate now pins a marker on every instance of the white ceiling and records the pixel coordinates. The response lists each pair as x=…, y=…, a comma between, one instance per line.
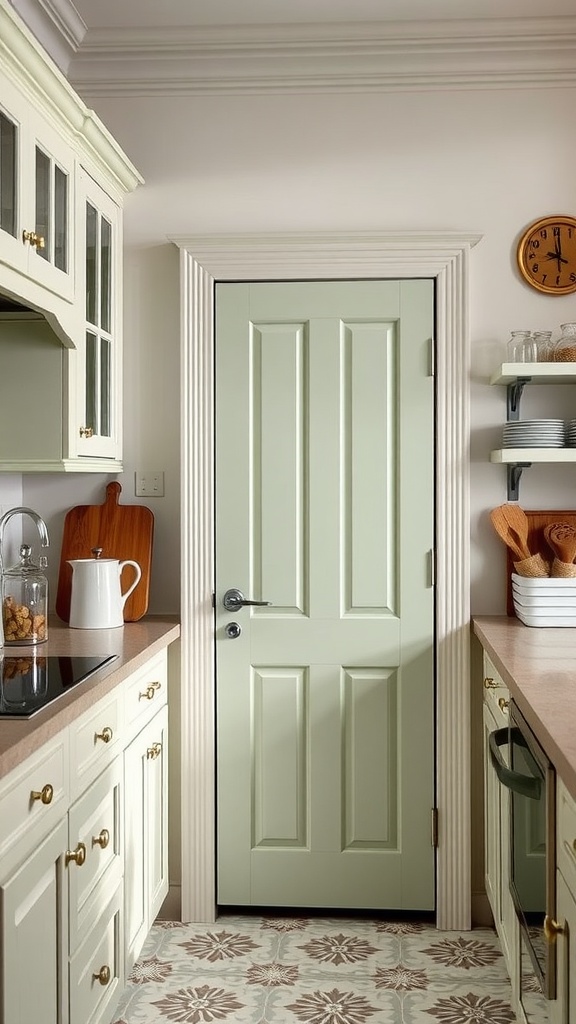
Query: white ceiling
x=102, y=14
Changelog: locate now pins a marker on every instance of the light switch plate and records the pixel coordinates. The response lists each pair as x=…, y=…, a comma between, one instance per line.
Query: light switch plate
x=149, y=483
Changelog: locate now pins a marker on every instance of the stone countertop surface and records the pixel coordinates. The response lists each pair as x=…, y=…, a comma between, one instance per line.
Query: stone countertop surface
x=539, y=668
x=134, y=643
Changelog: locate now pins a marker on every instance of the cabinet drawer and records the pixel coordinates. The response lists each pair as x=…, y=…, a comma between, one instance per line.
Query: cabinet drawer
x=95, y=740
x=33, y=798
x=94, y=837
x=566, y=836
x=97, y=969
x=145, y=692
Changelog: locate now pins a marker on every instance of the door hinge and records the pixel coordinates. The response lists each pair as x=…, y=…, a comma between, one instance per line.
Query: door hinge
x=432, y=567
x=434, y=824
x=432, y=360
x=213, y=600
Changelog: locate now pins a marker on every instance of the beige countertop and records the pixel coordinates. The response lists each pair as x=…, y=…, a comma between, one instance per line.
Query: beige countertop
x=539, y=667
x=134, y=643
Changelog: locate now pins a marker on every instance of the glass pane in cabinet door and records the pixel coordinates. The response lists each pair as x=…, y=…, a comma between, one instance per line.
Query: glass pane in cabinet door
x=105, y=273
x=105, y=389
x=91, y=380
x=91, y=262
x=60, y=219
x=8, y=142
x=43, y=200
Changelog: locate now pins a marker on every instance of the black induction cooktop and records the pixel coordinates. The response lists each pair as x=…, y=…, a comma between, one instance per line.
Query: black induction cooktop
x=28, y=682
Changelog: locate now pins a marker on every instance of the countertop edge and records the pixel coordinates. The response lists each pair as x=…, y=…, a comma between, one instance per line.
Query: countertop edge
x=540, y=672
x=138, y=642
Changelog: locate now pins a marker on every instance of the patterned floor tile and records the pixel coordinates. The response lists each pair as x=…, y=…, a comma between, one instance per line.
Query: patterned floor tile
x=316, y=970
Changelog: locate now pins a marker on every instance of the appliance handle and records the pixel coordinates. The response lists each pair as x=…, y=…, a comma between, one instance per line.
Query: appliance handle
x=525, y=785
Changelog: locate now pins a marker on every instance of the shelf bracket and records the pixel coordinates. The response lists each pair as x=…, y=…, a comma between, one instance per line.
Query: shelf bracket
x=513, y=396
x=514, y=472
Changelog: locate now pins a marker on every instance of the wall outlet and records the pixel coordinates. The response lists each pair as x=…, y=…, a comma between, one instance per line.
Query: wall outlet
x=149, y=483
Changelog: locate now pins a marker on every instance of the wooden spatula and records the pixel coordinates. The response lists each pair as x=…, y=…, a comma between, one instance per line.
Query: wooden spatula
x=510, y=536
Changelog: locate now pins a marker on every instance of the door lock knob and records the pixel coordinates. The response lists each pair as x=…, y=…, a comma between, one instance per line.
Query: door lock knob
x=233, y=630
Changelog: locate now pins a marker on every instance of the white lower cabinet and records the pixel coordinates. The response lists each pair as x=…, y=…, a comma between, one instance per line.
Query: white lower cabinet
x=84, y=859
x=146, y=831
x=33, y=902
x=564, y=1006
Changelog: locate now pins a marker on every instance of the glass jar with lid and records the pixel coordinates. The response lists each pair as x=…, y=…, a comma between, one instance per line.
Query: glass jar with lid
x=25, y=601
x=565, y=347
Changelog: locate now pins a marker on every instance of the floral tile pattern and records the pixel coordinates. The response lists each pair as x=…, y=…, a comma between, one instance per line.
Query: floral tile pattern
x=316, y=970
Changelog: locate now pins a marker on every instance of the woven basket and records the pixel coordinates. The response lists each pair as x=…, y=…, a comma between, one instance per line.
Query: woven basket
x=534, y=567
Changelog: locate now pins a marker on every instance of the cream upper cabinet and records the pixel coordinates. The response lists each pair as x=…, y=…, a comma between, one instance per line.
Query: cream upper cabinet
x=63, y=180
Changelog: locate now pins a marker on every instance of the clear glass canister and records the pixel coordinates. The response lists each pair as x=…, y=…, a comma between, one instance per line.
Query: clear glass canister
x=544, y=346
x=521, y=347
x=25, y=601
x=565, y=347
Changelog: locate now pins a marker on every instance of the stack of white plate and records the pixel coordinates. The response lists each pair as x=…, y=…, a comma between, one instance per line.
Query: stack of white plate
x=571, y=434
x=544, y=602
x=534, y=434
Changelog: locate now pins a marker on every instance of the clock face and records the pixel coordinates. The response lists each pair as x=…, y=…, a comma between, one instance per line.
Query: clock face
x=547, y=255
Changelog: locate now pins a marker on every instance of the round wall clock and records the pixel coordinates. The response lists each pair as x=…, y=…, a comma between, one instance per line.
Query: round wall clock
x=547, y=255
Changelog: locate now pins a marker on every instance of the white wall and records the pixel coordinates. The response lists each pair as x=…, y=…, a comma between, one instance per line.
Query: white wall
x=487, y=161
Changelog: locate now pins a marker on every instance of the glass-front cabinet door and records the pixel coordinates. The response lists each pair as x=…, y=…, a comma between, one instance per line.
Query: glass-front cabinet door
x=36, y=198
x=98, y=431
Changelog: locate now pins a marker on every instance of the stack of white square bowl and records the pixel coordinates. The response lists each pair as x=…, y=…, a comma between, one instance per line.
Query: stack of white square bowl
x=545, y=601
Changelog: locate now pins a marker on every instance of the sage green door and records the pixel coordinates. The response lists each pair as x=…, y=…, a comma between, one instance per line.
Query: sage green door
x=324, y=508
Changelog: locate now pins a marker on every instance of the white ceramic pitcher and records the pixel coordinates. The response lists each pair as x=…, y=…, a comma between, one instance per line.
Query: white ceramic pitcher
x=97, y=601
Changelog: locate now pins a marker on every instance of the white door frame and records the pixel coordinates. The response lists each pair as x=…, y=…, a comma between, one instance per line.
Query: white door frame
x=204, y=260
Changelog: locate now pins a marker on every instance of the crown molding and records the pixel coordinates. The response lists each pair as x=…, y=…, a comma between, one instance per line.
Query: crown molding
x=56, y=24
x=367, y=57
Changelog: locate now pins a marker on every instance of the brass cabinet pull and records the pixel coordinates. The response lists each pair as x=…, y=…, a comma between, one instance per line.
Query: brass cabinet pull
x=103, y=976
x=154, y=751
x=35, y=240
x=503, y=703
x=156, y=685
x=86, y=432
x=148, y=694
x=106, y=734
x=551, y=929
x=102, y=840
x=44, y=795
x=78, y=855
x=489, y=683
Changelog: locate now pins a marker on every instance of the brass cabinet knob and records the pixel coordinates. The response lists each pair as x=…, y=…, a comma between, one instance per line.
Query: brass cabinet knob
x=102, y=840
x=78, y=855
x=149, y=692
x=106, y=734
x=552, y=929
x=86, y=432
x=37, y=241
x=489, y=683
x=503, y=704
x=103, y=976
x=154, y=751
x=44, y=795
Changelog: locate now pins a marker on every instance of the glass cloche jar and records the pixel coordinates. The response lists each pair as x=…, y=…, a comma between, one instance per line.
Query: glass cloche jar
x=25, y=601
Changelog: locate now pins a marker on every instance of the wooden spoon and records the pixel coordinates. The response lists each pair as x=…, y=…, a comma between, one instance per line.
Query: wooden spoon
x=509, y=536
x=562, y=539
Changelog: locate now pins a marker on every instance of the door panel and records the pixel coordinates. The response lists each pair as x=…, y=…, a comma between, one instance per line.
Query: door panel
x=324, y=499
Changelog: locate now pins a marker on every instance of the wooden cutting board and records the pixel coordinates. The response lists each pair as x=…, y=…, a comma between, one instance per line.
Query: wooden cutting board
x=122, y=531
x=537, y=542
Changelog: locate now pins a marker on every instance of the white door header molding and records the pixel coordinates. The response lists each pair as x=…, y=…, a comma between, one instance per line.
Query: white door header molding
x=203, y=261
